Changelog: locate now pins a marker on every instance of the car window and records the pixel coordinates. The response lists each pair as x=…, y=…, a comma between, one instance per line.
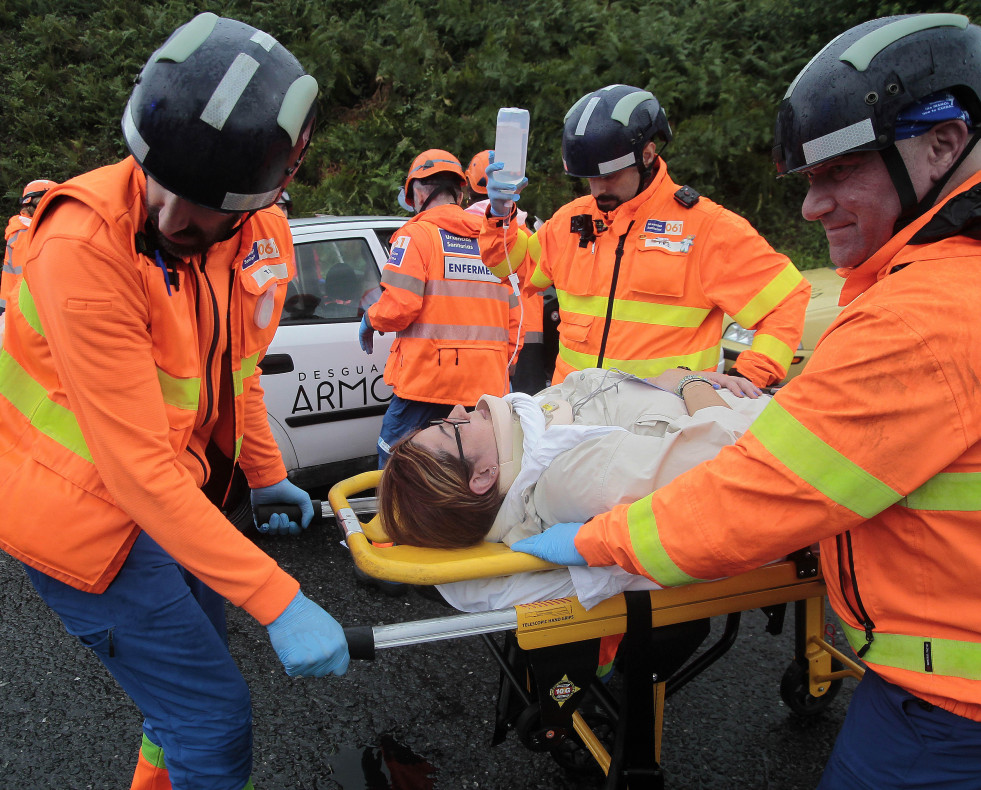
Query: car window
x=336, y=280
x=384, y=236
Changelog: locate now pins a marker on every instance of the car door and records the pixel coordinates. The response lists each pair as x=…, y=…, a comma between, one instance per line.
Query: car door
x=324, y=395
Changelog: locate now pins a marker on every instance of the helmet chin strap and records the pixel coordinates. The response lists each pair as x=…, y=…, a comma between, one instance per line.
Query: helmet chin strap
x=647, y=173
x=910, y=207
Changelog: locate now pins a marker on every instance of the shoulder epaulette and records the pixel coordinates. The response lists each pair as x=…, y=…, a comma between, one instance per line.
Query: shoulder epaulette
x=687, y=196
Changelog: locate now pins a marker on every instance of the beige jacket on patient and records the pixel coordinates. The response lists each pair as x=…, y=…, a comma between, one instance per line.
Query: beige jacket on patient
x=660, y=442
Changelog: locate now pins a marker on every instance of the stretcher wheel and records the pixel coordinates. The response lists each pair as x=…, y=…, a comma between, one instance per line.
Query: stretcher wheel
x=533, y=735
x=796, y=693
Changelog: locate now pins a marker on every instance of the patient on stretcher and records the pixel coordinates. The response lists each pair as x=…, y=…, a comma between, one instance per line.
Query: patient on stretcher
x=516, y=465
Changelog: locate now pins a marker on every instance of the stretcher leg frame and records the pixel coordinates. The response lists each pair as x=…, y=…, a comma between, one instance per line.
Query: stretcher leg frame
x=545, y=624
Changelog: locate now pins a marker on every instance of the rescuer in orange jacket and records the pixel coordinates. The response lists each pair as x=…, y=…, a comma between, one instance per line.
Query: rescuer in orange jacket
x=528, y=372
x=875, y=450
x=644, y=269
x=10, y=274
x=451, y=315
x=129, y=389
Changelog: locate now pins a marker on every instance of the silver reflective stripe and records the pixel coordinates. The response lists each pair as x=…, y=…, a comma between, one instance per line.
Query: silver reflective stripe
x=137, y=145
x=469, y=288
x=263, y=39
x=586, y=115
x=235, y=201
x=615, y=164
x=229, y=90
x=838, y=142
x=457, y=333
x=404, y=281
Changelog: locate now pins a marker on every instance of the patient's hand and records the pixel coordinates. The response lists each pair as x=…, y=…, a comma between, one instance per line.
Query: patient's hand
x=738, y=386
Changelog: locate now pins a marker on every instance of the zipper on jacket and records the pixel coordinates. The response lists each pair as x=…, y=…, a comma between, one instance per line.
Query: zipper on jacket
x=613, y=290
x=861, y=615
x=215, y=333
x=226, y=373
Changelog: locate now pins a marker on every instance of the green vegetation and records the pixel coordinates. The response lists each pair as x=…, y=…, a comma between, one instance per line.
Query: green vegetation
x=400, y=76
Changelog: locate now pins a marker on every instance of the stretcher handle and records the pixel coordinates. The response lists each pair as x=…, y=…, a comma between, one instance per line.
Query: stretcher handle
x=263, y=512
x=360, y=642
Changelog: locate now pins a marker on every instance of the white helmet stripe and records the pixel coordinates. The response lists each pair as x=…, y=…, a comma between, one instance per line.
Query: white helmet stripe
x=838, y=142
x=238, y=202
x=133, y=137
x=613, y=165
x=264, y=40
x=229, y=90
x=586, y=115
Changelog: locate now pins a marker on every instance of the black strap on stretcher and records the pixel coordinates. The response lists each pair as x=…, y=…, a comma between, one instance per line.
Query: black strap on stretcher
x=633, y=764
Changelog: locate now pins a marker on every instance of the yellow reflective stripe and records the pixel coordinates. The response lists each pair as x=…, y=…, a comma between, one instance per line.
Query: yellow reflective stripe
x=515, y=255
x=249, y=365
x=238, y=447
x=948, y=657
x=248, y=785
x=539, y=279
x=775, y=349
x=177, y=392
x=28, y=309
x=954, y=491
x=30, y=399
x=647, y=547
x=152, y=753
x=631, y=310
x=819, y=464
x=698, y=360
x=772, y=294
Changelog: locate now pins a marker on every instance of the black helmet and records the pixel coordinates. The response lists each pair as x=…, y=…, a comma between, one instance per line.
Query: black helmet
x=606, y=130
x=221, y=115
x=847, y=98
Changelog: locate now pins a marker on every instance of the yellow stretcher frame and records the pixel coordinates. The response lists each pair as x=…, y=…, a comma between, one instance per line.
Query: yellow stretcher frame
x=563, y=621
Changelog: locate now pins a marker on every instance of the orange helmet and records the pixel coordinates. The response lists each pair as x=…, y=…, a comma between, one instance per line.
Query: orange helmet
x=477, y=172
x=35, y=189
x=429, y=163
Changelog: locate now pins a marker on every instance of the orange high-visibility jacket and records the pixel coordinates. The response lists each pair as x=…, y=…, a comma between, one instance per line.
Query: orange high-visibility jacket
x=10, y=274
x=114, y=375
x=875, y=451
x=451, y=314
x=644, y=288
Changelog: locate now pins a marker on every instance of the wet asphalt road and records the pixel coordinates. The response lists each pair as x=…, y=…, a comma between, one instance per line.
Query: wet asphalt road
x=66, y=725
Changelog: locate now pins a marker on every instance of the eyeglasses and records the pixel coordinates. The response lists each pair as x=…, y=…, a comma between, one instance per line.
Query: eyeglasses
x=456, y=422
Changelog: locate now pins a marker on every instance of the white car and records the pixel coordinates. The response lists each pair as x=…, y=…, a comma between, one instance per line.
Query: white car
x=324, y=395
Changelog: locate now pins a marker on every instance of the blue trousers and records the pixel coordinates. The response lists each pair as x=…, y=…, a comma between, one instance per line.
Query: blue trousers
x=892, y=740
x=161, y=633
x=402, y=417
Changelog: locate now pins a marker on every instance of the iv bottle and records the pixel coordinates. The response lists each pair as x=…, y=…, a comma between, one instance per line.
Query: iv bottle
x=511, y=144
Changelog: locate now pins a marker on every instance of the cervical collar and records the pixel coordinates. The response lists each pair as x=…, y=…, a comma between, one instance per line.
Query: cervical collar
x=507, y=432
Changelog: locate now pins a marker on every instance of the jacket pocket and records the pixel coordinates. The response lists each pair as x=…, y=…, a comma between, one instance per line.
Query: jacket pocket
x=658, y=270
x=575, y=327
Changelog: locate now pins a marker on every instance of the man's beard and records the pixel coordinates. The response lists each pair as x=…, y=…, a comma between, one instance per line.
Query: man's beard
x=191, y=241
x=606, y=203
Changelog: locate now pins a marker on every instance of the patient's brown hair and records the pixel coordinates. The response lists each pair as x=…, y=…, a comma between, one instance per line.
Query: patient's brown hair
x=425, y=500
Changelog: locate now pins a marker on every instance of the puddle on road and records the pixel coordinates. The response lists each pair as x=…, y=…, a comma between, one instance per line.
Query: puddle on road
x=388, y=766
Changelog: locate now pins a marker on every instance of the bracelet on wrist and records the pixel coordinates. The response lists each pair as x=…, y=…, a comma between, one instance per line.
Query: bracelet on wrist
x=686, y=380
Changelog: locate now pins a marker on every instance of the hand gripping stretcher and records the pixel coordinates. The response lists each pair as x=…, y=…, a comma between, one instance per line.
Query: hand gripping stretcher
x=549, y=655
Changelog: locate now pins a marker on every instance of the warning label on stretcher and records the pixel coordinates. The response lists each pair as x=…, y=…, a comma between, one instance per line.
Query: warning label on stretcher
x=536, y=615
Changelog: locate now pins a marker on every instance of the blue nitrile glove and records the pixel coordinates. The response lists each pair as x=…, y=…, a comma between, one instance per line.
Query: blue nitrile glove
x=283, y=493
x=556, y=544
x=366, y=335
x=501, y=195
x=308, y=641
